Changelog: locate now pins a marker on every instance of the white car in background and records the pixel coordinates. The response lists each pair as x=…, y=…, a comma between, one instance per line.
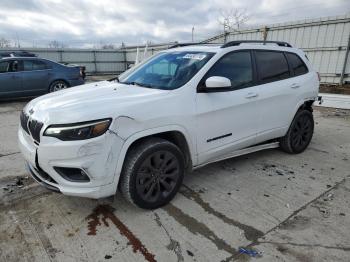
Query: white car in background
x=181, y=109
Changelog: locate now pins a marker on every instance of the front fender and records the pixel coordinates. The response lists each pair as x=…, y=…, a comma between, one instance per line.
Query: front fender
x=146, y=133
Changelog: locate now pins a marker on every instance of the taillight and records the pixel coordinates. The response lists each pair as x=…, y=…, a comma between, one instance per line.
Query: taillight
x=319, y=76
x=82, y=72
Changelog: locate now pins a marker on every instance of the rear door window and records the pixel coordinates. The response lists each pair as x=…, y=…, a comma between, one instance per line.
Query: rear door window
x=297, y=65
x=33, y=65
x=272, y=66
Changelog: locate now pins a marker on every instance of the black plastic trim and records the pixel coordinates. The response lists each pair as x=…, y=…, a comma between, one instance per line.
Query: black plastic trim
x=40, y=181
x=189, y=44
x=218, y=137
x=236, y=43
x=61, y=172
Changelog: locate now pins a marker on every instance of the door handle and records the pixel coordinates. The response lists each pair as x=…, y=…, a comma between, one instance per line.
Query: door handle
x=251, y=95
x=295, y=86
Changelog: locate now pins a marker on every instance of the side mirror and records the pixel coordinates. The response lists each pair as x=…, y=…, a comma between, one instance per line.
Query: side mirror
x=217, y=82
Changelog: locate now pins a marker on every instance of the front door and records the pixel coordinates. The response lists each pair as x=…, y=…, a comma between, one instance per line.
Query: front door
x=227, y=121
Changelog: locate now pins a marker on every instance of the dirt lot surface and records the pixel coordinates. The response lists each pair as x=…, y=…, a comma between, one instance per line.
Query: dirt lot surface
x=335, y=89
x=288, y=207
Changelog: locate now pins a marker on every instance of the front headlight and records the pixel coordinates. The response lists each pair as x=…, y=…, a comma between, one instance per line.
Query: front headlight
x=78, y=131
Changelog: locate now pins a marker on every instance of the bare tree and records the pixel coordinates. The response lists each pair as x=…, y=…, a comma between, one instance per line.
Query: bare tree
x=107, y=46
x=4, y=42
x=56, y=44
x=233, y=19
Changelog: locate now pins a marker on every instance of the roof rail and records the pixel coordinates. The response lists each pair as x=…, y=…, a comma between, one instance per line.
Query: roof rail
x=235, y=43
x=188, y=44
x=16, y=54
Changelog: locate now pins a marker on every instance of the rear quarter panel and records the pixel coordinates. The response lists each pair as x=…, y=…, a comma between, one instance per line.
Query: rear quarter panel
x=69, y=74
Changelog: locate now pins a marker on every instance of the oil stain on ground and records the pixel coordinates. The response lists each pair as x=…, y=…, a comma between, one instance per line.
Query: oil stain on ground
x=197, y=227
x=106, y=212
x=250, y=232
x=296, y=223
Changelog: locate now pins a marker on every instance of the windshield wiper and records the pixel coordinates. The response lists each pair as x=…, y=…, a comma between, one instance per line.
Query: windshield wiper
x=114, y=79
x=138, y=84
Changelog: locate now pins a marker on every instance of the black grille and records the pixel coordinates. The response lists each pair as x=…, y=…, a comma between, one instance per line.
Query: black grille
x=24, y=120
x=34, y=129
x=31, y=127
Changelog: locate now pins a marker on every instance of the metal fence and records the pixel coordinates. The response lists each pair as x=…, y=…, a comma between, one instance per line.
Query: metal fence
x=95, y=61
x=325, y=41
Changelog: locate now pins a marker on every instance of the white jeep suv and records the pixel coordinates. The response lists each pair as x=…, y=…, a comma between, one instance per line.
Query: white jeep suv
x=183, y=108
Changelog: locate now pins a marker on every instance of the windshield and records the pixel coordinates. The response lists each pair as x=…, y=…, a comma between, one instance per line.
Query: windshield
x=167, y=71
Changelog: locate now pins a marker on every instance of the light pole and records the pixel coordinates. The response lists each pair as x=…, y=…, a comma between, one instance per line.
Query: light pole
x=192, y=33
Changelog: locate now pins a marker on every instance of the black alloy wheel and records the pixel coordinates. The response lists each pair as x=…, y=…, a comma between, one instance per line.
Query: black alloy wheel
x=152, y=173
x=157, y=176
x=299, y=134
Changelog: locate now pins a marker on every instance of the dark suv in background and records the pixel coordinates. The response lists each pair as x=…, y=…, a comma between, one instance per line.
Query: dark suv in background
x=23, y=74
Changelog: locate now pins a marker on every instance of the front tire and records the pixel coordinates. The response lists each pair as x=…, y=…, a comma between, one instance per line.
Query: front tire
x=299, y=134
x=152, y=173
x=57, y=86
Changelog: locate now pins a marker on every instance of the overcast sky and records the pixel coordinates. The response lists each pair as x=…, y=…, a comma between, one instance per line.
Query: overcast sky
x=84, y=23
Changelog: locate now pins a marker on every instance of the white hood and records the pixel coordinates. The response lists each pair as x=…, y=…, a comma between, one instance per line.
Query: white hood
x=89, y=102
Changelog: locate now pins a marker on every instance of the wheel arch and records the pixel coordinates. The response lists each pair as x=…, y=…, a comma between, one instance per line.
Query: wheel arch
x=175, y=134
x=304, y=104
x=307, y=105
x=58, y=79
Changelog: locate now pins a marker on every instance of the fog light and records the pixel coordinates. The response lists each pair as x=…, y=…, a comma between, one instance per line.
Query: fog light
x=72, y=174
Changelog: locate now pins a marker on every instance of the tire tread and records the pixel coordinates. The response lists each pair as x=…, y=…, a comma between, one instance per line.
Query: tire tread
x=285, y=142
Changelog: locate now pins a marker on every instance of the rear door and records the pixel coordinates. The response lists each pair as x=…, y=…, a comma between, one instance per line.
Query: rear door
x=10, y=79
x=35, y=76
x=277, y=93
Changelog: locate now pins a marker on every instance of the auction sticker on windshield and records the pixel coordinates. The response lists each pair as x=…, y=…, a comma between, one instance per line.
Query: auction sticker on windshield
x=194, y=56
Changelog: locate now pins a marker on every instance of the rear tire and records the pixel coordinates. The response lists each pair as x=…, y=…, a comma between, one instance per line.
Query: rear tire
x=152, y=173
x=299, y=134
x=57, y=86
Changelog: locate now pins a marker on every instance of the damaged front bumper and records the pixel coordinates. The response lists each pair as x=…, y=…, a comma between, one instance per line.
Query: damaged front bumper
x=97, y=157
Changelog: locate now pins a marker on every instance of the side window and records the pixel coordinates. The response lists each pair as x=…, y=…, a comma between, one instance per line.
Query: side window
x=4, y=66
x=272, y=66
x=31, y=65
x=9, y=66
x=297, y=65
x=236, y=66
